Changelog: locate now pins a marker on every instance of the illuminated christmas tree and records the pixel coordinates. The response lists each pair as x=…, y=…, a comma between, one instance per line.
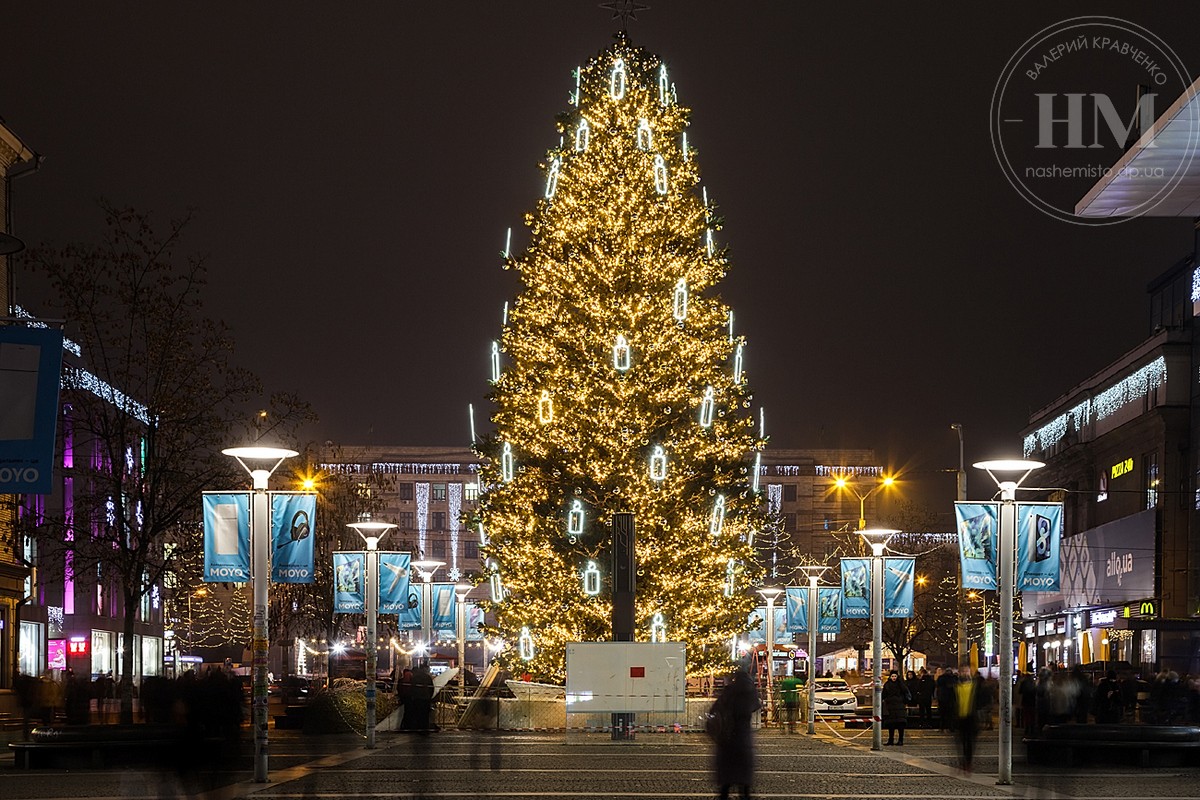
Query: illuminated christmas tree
x=619, y=386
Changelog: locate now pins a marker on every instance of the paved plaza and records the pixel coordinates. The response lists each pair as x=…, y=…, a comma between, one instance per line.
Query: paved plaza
x=546, y=765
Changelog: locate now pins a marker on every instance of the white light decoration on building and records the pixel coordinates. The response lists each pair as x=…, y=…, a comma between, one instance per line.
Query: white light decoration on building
x=762, y=423
x=71, y=347
x=664, y=86
x=54, y=617
x=545, y=408
x=504, y=316
x=525, y=644
x=707, y=406
x=679, y=301
x=1196, y=285
x=757, y=470
x=506, y=463
x=731, y=324
x=75, y=378
x=421, y=492
x=716, y=521
x=575, y=519
x=454, y=495
x=495, y=361
x=645, y=139
x=704, y=194
x=129, y=463
x=621, y=355
x=1132, y=388
x=737, y=364
x=709, y=247
x=616, y=81
x=660, y=175
x=552, y=178
x=658, y=628
x=658, y=464
x=774, y=497
x=591, y=579
x=155, y=597
x=582, y=133
x=730, y=577
x=110, y=512
x=471, y=417
x=301, y=657
x=494, y=584
x=683, y=146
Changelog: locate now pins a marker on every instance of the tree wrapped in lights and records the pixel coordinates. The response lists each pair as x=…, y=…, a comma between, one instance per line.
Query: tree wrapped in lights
x=620, y=388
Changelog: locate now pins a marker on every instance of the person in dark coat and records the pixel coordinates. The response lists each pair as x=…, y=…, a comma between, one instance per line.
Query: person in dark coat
x=946, y=685
x=1107, y=704
x=403, y=688
x=734, y=754
x=422, y=699
x=923, y=697
x=895, y=707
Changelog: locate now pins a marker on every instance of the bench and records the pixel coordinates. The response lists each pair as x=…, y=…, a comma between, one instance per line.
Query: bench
x=1060, y=743
x=101, y=745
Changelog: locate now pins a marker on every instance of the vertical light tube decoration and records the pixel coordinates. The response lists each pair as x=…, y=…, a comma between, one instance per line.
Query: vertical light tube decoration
x=495, y=361
x=658, y=628
x=591, y=579
x=658, y=464
x=663, y=85
x=545, y=408
x=679, y=302
x=552, y=178
x=506, y=463
x=645, y=138
x=454, y=494
x=737, y=363
x=757, y=471
x=582, y=133
x=616, y=81
x=707, y=406
x=525, y=643
x=575, y=519
x=621, y=354
x=730, y=577
x=709, y=246
x=717, y=521
x=660, y=175
x=494, y=583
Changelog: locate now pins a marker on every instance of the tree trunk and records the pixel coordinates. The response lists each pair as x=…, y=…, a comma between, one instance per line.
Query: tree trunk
x=126, y=685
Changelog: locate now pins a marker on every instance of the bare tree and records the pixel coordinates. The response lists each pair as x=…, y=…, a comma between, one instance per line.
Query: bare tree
x=152, y=402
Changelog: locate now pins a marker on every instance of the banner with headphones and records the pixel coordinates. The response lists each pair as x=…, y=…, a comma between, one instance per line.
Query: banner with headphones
x=292, y=518
x=408, y=612
x=394, y=582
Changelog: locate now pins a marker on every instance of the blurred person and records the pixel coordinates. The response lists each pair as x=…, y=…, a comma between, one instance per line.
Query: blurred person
x=730, y=716
x=1082, y=694
x=422, y=699
x=789, y=693
x=895, y=707
x=1107, y=704
x=924, y=697
x=1027, y=690
x=1062, y=690
x=403, y=689
x=945, y=687
x=968, y=695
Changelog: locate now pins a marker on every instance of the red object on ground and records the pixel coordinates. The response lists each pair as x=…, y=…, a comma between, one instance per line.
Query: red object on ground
x=637, y=672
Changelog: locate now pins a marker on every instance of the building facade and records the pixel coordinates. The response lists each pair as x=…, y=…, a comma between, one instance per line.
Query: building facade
x=1121, y=451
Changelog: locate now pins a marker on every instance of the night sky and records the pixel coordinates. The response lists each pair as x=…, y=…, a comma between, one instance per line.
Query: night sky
x=354, y=166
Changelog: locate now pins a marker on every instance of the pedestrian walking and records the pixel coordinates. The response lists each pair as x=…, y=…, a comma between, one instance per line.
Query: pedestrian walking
x=895, y=707
x=789, y=693
x=946, y=685
x=729, y=725
x=924, y=697
x=421, y=696
x=1107, y=705
x=969, y=696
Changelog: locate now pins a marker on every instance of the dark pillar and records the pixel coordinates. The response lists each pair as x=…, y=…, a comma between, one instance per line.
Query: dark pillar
x=624, y=583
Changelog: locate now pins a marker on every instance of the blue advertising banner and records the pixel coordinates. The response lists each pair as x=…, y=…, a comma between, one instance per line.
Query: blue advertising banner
x=796, y=606
x=226, y=537
x=409, y=616
x=394, y=582
x=445, y=604
x=1039, y=532
x=30, y=363
x=856, y=588
x=899, y=575
x=292, y=517
x=758, y=634
x=829, y=607
x=474, y=623
x=348, y=573
x=977, y=530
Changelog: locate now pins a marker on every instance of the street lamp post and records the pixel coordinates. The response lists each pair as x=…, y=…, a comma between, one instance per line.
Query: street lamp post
x=878, y=539
x=260, y=534
x=813, y=573
x=460, y=594
x=961, y=496
x=425, y=568
x=770, y=593
x=371, y=532
x=1006, y=551
x=844, y=483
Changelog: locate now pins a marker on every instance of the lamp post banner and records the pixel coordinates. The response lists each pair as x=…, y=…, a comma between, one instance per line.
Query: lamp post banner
x=394, y=582
x=474, y=620
x=856, y=588
x=226, y=537
x=30, y=365
x=444, y=607
x=292, y=518
x=899, y=574
x=978, y=524
x=829, y=608
x=1039, y=532
x=408, y=618
x=796, y=606
x=758, y=634
x=348, y=573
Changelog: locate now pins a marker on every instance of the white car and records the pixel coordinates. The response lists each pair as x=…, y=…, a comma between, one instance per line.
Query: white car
x=833, y=696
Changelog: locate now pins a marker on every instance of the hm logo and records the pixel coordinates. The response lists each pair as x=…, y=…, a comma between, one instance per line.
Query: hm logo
x=1101, y=108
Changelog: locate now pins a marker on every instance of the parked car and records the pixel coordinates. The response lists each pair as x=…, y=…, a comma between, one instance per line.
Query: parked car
x=833, y=696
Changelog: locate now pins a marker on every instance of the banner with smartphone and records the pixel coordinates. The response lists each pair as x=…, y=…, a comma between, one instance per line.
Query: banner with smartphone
x=444, y=606
x=856, y=588
x=796, y=605
x=978, y=527
x=226, y=537
x=899, y=575
x=829, y=610
x=348, y=573
x=394, y=582
x=292, y=517
x=1039, y=532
